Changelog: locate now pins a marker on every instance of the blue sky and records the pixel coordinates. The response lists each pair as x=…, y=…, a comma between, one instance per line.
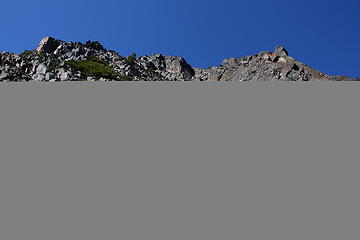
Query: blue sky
x=322, y=34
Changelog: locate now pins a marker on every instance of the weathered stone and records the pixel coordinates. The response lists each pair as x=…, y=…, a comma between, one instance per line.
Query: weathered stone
x=282, y=60
x=178, y=65
x=285, y=71
x=64, y=75
x=48, y=45
x=38, y=77
x=4, y=75
x=265, y=56
x=41, y=68
x=94, y=45
x=274, y=57
x=231, y=62
x=281, y=51
x=158, y=60
x=50, y=76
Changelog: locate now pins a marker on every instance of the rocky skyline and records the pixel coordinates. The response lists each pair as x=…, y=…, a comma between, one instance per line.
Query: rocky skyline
x=56, y=60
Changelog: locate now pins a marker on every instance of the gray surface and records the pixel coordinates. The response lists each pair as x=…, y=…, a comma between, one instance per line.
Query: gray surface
x=189, y=161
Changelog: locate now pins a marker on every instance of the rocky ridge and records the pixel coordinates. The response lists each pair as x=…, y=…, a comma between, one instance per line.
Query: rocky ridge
x=56, y=60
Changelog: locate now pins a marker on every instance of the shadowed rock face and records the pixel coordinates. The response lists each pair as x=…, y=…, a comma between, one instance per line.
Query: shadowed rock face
x=48, y=45
x=56, y=60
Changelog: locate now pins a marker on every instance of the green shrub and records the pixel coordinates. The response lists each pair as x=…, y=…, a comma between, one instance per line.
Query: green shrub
x=25, y=54
x=125, y=78
x=131, y=59
x=97, y=68
x=96, y=60
x=52, y=65
x=42, y=56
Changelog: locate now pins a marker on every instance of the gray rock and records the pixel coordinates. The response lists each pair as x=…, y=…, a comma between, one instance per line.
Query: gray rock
x=4, y=75
x=179, y=67
x=158, y=61
x=64, y=75
x=39, y=77
x=94, y=45
x=230, y=63
x=50, y=76
x=282, y=60
x=281, y=51
x=41, y=69
x=48, y=45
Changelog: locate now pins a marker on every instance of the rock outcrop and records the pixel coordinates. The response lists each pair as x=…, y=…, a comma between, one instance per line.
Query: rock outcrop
x=48, y=45
x=56, y=60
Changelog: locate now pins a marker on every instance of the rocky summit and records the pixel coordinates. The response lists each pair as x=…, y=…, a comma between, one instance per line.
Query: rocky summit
x=56, y=60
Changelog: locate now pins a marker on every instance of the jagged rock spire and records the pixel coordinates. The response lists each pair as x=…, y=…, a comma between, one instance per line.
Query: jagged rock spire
x=48, y=45
x=281, y=51
x=95, y=45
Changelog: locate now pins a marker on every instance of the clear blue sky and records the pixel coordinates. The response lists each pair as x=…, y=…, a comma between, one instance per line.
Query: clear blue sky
x=324, y=34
